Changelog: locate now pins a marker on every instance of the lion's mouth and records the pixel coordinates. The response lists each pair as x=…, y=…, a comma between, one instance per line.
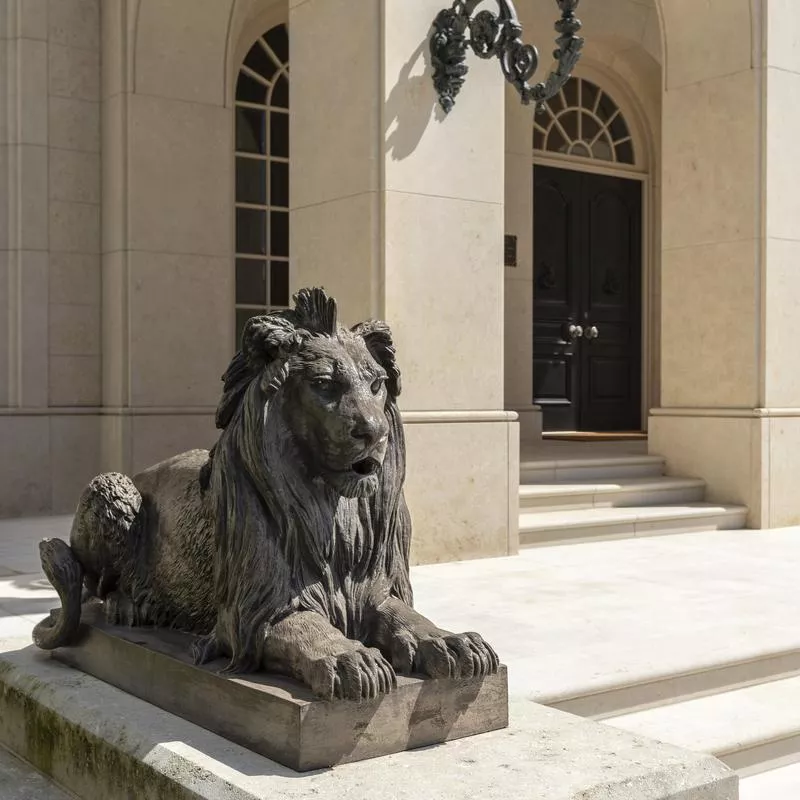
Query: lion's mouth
x=366, y=467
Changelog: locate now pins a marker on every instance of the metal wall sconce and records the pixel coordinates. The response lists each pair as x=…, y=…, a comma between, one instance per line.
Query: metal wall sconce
x=499, y=35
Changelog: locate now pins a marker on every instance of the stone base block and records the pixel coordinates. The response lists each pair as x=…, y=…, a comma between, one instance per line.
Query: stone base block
x=278, y=717
x=100, y=742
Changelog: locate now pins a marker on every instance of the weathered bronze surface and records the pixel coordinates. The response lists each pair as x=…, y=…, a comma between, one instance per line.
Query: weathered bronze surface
x=284, y=549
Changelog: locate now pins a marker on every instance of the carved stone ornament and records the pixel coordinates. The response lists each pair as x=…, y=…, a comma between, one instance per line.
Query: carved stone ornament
x=499, y=35
x=286, y=547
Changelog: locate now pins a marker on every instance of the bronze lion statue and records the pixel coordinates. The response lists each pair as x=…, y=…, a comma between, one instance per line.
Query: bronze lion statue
x=286, y=547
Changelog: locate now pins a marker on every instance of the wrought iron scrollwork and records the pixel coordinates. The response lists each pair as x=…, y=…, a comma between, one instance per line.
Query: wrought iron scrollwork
x=500, y=35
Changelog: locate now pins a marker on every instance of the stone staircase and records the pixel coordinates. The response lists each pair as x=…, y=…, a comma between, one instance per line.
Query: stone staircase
x=747, y=712
x=576, y=493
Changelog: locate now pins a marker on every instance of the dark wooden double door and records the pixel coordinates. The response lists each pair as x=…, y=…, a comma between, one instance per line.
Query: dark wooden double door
x=587, y=360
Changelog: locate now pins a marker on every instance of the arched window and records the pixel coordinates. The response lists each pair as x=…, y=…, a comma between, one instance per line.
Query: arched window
x=262, y=178
x=582, y=120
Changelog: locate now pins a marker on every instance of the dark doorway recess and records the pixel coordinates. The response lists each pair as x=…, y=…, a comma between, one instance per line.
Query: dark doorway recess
x=587, y=309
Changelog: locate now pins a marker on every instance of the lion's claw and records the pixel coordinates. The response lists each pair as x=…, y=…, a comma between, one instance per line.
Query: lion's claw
x=455, y=655
x=358, y=674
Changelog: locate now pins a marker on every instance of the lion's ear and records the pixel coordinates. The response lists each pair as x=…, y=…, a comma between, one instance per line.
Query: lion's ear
x=265, y=340
x=268, y=338
x=378, y=338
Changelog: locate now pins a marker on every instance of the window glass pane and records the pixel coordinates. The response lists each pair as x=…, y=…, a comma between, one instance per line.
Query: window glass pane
x=555, y=141
x=258, y=60
x=279, y=233
x=590, y=128
x=250, y=130
x=602, y=149
x=581, y=149
x=278, y=40
x=251, y=281
x=251, y=231
x=538, y=139
x=251, y=180
x=556, y=104
x=618, y=128
x=625, y=153
x=606, y=108
x=250, y=90
x=588, y=95
x=280, y=93
x=279, y=134
x=569, y=122
x=242, y=315
x=571, y=92
x=279, y=283
x=279, y=184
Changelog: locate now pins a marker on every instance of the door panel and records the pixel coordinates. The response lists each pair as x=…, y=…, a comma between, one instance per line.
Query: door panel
x=587, y=272
x=556, y=294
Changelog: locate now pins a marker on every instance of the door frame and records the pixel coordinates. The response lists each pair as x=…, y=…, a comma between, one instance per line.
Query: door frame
x=649, y=351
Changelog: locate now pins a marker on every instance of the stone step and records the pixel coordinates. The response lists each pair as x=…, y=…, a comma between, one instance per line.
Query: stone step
x=591, y=524
x=20, y=781
x=751, y=729
x=656, y=687
x=579, y=468
x=610, y=493
x=782, y=783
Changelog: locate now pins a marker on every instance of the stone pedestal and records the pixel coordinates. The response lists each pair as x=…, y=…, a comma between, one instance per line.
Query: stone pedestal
x=278, y=717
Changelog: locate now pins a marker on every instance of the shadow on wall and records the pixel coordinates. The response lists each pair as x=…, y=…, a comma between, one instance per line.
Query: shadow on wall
x=410, y=104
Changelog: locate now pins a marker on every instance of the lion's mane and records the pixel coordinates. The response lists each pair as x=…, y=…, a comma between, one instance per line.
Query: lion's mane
x=285, y=541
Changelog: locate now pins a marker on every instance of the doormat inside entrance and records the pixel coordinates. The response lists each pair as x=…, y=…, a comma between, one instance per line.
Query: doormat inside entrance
x=594, y=436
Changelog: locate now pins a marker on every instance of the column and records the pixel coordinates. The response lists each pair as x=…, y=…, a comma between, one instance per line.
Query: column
x=398, y=211
x=731, y=238
x=167, y=227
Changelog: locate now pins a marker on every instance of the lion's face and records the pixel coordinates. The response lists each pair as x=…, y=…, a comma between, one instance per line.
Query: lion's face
x=334, y=404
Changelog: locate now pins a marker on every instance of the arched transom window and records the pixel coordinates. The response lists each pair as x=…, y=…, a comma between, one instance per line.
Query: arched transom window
x=262, y=178
x=582, y=120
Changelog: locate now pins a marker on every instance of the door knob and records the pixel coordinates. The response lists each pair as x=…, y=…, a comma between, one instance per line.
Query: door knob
x=591, y=332
x=574, y=332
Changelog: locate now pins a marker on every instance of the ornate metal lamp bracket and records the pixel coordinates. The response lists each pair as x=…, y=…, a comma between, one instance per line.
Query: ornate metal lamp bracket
x=499, y=35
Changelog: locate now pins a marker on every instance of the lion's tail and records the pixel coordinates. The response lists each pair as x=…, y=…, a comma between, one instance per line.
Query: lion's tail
x=65, y=572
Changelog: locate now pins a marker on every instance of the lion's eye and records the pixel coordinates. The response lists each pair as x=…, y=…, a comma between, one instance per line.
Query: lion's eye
x=377, y=385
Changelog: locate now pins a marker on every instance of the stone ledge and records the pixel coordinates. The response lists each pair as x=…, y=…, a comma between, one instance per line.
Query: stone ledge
x=99, y=742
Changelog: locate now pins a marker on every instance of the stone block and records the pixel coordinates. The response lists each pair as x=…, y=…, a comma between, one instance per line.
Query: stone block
x=278, y=717
x=74, y=124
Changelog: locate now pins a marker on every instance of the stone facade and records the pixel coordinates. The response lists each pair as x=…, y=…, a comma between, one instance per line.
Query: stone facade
x=117, y=236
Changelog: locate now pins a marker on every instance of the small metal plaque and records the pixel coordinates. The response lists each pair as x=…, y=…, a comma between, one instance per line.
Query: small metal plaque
x=510, y=249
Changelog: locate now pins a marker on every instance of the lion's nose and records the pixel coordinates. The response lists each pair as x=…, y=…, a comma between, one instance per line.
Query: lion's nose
x=368, y=431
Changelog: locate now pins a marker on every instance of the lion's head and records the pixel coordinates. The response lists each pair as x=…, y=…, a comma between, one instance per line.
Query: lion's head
x=329, y=386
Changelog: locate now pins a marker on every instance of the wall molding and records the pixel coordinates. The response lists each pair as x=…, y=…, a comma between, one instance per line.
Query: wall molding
x=409, y=417
x=748, y=413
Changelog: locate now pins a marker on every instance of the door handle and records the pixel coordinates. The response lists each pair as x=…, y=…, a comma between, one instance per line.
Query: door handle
x=591, y=332
x=574, y=332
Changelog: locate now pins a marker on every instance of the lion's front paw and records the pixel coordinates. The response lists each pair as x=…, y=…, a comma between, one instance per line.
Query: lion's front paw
x=455, y=655
x=358, y=674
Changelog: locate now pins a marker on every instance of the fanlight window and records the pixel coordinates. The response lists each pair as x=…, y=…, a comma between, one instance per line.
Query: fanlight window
x=582, y=120
x=262, y=178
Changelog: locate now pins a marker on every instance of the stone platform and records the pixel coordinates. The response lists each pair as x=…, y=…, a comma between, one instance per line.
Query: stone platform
x=278, y=717
x=99, y=742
